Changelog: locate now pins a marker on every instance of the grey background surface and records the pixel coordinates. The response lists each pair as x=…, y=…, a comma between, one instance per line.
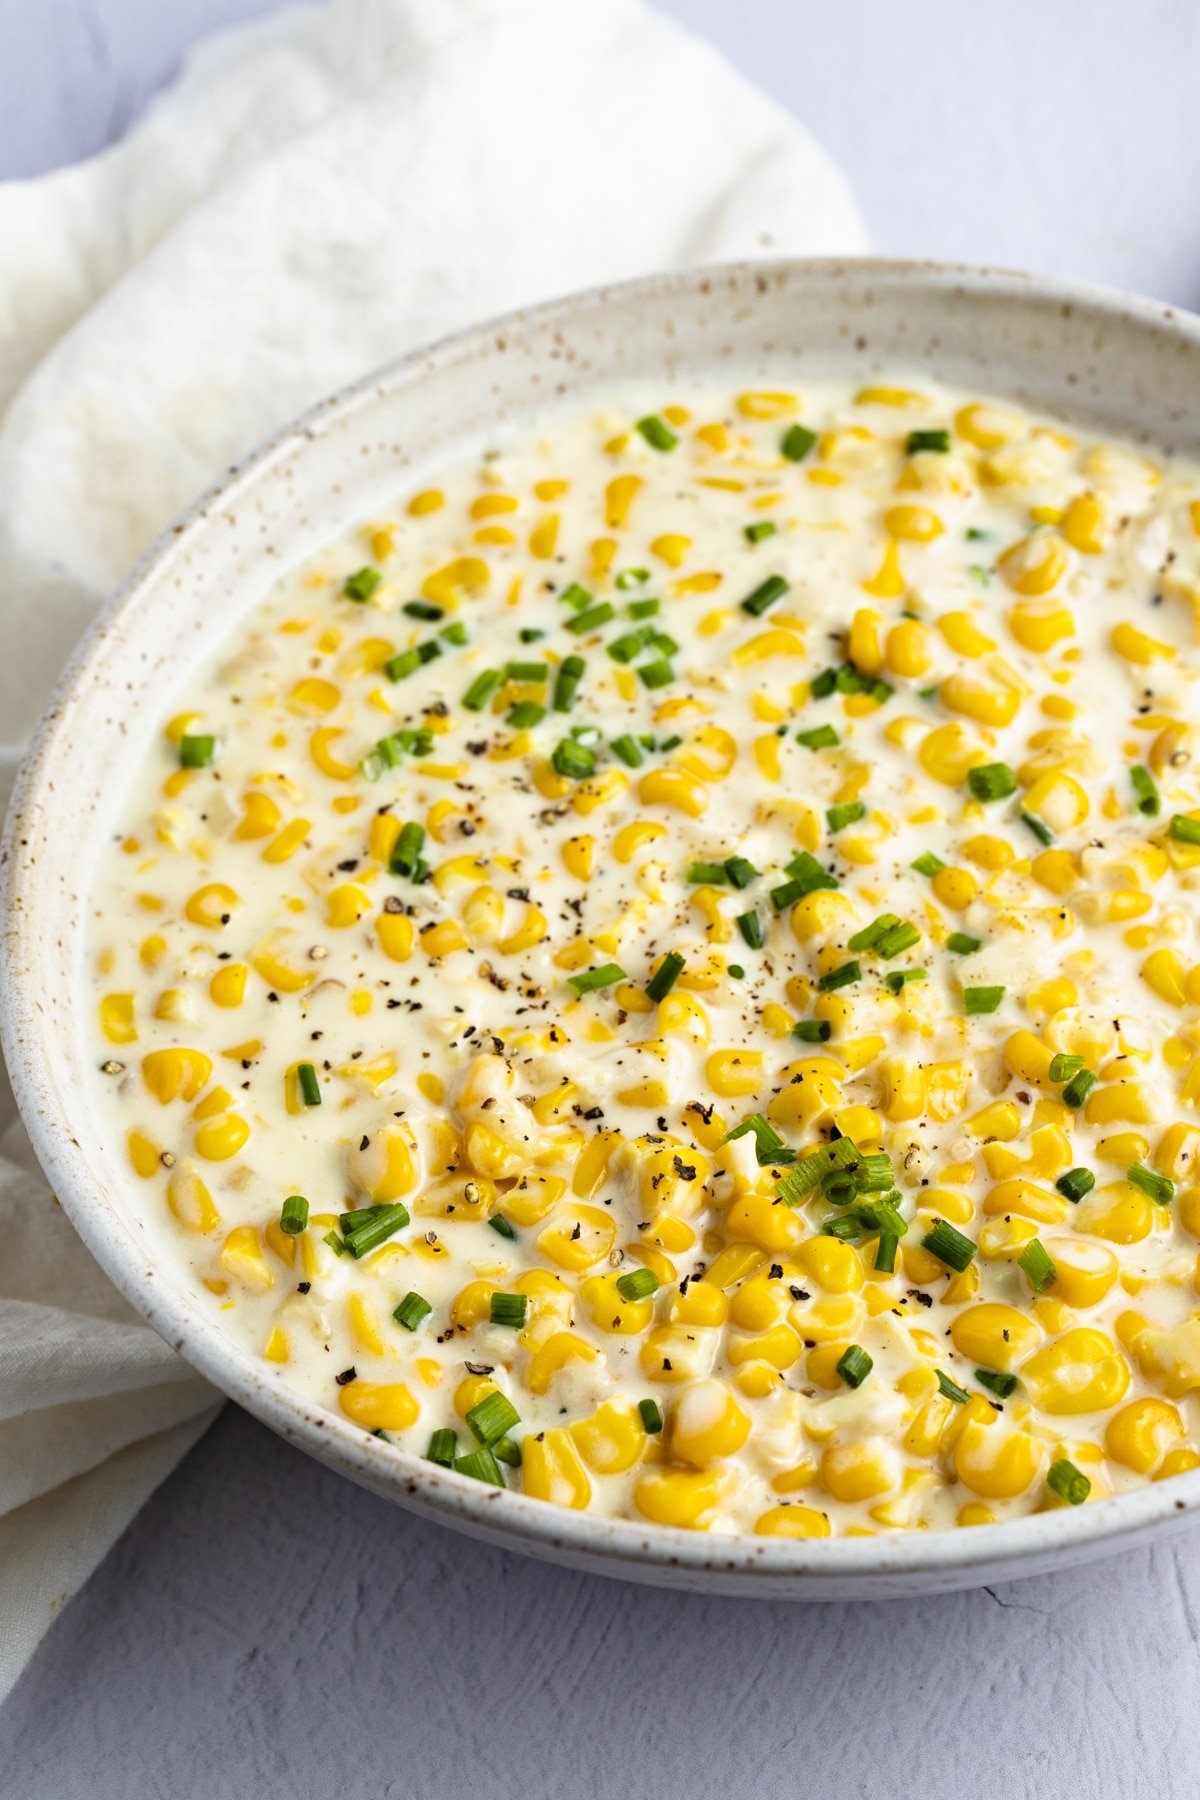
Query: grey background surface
x=265, y=1629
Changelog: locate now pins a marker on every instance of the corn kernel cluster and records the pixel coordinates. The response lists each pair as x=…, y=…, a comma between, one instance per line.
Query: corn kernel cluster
x=662, y=971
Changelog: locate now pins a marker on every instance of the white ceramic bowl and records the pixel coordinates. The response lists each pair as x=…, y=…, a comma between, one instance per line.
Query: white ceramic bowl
x=1120, y=364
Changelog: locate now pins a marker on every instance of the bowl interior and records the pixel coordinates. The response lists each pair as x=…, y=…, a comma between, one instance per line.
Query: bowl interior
x=1114, y=364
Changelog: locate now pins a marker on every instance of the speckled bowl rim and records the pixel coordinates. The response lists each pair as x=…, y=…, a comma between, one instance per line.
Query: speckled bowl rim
x=904, y=1563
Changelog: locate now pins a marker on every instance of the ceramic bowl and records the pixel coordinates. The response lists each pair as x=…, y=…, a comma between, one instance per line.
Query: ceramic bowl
x=1102, y=359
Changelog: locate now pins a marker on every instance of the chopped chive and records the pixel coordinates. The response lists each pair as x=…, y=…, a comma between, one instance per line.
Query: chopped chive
x=480, y=1465
x=991, y=781
x=1041, y=832
x=896, y=940
x=665, y=976
x=537, y=672
x=963, y=944
x=656, y=674
x=1075, y=1184
x=845, y=1228
x=875, y=1174
x=767, y=1142
x=484, y=687
x=531, y=634
x=950, y=1389
x=997, y=1381
x=443, y=1447
x=197, y=752
x=938, y=441
x=765, y=595
x=752, y=930
x=928, y=864
x=503, y=1227
x=1184, y=830
x=631, y=578
x=641, y=609
x=838, y=817
x=854, y=1365
x=310, y=1087
x=423, y=609
x=1062, y=1066
x=507, y=1450
x=881, y=1215
x=869, y=936
x=639, y=1284
x=736, y=970
x=336, y=1244
x=492, y=1417
x=573, y=759
x=1145, y=791
x=588, y=980
x=1068, y=1482
x=843, y=1153
x=739, y=871
x=798, y=440
x=508, y=1309
x=362, y=584
x=294, y=1215
x=651, y=1416
x=429, y=651
x=822, y=685
x=575, y=597
x=712, y=874
x=454, y=633
x=841, y=1189
x=627, y=647
x=629, y=750
x=406, y=853
x=978, y=1000
x=840, y=977
x=762, y=528
x=569, y=676
x=812, y=1031
x=412, y=1310
x=406, y=663
x=885, y=1252
x=374, y=1226
x=592, y=618
x=525, y=714
x=949, y=1246
x=896, y=979
x=821, y=737
x=1078, y=1088
x=1037, y=1267
x=657, y=432
x=807, y=875
x=1155, y=1187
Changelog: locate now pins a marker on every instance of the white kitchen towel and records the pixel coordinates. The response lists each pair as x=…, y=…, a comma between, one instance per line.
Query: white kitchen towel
x=317, y=193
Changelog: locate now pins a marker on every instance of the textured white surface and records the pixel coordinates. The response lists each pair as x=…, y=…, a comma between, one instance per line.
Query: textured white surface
x=266, y=1629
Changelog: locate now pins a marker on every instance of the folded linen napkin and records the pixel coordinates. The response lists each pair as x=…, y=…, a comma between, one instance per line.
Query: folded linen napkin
x=317, y=193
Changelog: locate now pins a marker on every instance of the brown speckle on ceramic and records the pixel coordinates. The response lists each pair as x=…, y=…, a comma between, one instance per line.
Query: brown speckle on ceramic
x=1100, y=358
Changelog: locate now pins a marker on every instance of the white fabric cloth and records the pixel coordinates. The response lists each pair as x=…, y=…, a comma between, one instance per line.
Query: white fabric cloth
x=316, y=194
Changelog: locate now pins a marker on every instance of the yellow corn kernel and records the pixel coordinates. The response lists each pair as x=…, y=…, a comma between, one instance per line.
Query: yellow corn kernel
x=996, y=1463
x=395, y=932
x=947, y=754
x=144, y=1154
x=1138, y=647
x=683, y=1497
x=913, y=524
x=1119, y=1212
x=832, y=1265
x=562, y=1348
x=578, y=1237
x=994, y=1336
x=116, y=1018
x=242, y=1258
x=364, y=1324
x=1140, y=1433
x=211, y=906
x=1036, y=563
x=1083, y=1371
x=909, y=649
x=217, y=1139
x=708, y=1424
x=618, y=498
x=792, y=1522
x=674, y=788
x=190, y=1201
x=732, y=1073
x=175, y=1074
x=1126, y=1102
x=987, y=426
x=837, y=1316
x=379, y=1406
x=860, y=1471
x=611, y=1439
x=988, y=704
